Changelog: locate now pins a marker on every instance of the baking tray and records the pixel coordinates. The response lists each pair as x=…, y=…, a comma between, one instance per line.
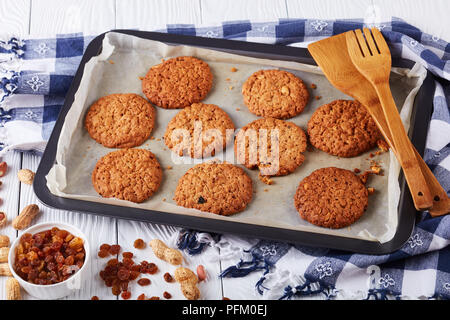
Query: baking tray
x=406, y=210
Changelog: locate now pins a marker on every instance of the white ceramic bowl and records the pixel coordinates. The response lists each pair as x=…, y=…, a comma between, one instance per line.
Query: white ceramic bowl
x=57, y=290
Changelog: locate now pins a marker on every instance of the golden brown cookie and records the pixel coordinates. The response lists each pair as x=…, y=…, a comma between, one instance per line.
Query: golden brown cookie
x=219, y=188
x=275, y=94
x=199, y=131
x=274, y=146
x=343, y=128
x=127, y=174
x=331, y=198
x=177, y=82
x=122, y=120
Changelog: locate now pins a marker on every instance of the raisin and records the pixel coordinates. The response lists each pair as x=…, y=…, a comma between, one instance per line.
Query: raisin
x=167, y=295
x=168, y=277
x=123, y=274
x=201, y=200
x=115, y=290
x=103, y=253
x=141, y=297
x=144, y=282
x=112, y=262
x=105, y=246
x=152, y=268
x=134, y=275
x=153, y=298
x=95, y=298
x=128, y=255
x=70, y=260
x=126, y=295
x=139, y=244
x=115, y=249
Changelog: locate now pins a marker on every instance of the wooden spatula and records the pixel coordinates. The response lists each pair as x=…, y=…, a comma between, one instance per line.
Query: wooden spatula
x=371, y=56
x=332, y=56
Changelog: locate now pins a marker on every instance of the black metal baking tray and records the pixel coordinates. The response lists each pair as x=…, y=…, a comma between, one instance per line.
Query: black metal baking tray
x=406, y=210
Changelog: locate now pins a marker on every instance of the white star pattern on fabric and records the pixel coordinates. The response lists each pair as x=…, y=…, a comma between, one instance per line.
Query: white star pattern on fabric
x=42, y=48
x=324, y=270
x=386, y=281
x=35, y=83
x=319, y=25
x=415, y=241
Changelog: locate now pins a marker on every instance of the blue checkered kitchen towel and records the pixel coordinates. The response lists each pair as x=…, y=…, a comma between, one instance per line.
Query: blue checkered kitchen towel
x=36, y=73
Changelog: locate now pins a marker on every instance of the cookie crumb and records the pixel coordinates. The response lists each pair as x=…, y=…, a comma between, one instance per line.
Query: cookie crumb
x=233, y=69
x=356, y=170
x=318, y=97
x=227, y=79
x=382, y=145
x=313, y=86
x=230, y=87
x=169, y=167
x=376, y=169
x=265, y=179
x=141, y=78
x=266, y=190
x=365, y=176
x=111, y=62
x=164, y=199
x=238, y=109
x=371, y=190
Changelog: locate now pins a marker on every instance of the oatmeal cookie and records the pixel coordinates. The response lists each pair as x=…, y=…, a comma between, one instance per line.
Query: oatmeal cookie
x=122, y=120
x=331, y=198
x=127, y=174
x=343, y=128
x=177, y=82
x=275, y=93
x=199, y=131
x=219, y=188
x=256, y=145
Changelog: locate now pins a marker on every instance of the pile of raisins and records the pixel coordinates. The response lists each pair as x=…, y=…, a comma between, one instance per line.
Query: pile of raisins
x=49, y=257
x=118, y=274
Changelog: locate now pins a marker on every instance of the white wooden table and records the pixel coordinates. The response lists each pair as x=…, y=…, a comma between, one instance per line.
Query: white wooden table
x=42, y=17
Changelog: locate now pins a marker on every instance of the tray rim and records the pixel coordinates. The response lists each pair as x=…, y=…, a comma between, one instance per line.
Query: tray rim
x=406, y=213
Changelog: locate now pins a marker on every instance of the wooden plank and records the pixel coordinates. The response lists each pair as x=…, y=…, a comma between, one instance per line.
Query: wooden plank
x=429, y=16
x=69, y=16
x=14, y=17
x=9, y=203
x=155, y=14
x=216, y=11
x=97, y=229
x=327, y=9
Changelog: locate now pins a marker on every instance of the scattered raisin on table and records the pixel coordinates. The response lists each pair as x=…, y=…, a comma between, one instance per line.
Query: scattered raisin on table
x=95, y=298
x=115, y=249
x=141, y=297
x=139, y=244
x=168, y=277
x=154, y=298
x=167, y=295
x=128, y=255
x=126, y=295
x=103, y=253
x=144, y=282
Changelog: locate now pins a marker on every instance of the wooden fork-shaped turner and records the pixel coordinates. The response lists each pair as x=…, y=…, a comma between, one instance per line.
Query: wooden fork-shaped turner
x=371, y=56
x=332, y=56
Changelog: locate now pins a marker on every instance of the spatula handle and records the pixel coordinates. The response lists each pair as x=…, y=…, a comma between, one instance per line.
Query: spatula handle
x=405, y=154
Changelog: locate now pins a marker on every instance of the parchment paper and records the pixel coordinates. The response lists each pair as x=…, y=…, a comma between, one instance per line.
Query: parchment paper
x=124, y=59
